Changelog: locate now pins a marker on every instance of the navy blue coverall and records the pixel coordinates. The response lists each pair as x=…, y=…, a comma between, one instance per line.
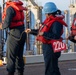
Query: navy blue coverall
x=14, y=47
x=51, y=58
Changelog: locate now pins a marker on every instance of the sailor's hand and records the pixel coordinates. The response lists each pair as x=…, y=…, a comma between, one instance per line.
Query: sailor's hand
x=0, y=25
x=40, y=33
x=28, y=30
x=75, y=37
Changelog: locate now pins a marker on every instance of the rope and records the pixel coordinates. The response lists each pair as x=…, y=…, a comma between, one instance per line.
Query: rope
x=16, y=38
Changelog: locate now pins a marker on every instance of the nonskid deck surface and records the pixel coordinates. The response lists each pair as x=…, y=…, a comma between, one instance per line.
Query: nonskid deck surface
x=66, y=68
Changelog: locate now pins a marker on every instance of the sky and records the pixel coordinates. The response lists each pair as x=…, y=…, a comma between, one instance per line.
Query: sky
x=61, y=4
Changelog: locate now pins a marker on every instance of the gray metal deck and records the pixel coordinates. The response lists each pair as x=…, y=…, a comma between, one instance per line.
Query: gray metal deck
x=66, y=68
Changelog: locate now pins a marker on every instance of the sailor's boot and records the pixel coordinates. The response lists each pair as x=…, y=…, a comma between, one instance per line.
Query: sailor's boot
x=10, y=73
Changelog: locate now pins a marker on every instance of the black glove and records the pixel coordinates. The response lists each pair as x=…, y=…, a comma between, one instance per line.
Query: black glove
x=71, y=38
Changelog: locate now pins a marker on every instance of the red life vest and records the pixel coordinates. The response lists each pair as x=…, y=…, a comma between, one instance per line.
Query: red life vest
x=73, y=27
x=57, y=45
x=46, y=26
x=4, y=11
x=18, y=19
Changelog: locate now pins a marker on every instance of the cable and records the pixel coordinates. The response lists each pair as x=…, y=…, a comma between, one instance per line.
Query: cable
x=16, y=38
